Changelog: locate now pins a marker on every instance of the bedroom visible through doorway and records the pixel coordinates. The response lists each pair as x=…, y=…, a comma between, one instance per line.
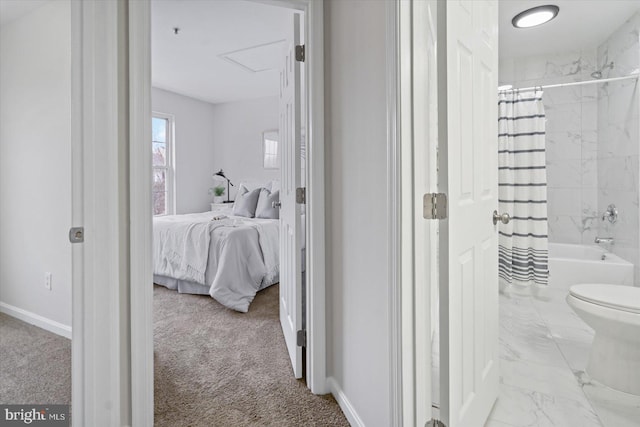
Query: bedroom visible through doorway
x=218, y=69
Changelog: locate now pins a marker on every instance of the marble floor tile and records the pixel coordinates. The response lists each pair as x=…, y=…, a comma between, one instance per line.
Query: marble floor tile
x=544, y=351
x=582, y=334
x=576, y=353
x=526, y=408
x=522, y=313
x=566, y=318
x=547, y=379
x=495, y=423
x=615, y=409
x=554, y=296
x=529, y=342
x=533, y=348
x=516, y=293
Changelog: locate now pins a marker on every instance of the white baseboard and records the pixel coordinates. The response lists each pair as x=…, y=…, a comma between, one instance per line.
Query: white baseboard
x=346, y=406
x=36, y=319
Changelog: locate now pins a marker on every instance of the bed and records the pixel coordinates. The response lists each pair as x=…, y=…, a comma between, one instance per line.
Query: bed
x=226, y=256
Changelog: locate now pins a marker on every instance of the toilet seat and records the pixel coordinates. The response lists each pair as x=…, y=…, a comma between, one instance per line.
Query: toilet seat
x=618, y=297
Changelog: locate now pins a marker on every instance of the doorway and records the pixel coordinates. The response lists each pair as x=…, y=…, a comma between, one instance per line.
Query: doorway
x=313, y=211
x=217, y=90
x=116, y=209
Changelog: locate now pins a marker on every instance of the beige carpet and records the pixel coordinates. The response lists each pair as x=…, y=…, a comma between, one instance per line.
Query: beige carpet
x=217, y=367
x=35, y=365
x=213, y=366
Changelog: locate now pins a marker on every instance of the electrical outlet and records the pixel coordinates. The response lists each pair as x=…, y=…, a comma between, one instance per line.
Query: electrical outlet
x=47, y=280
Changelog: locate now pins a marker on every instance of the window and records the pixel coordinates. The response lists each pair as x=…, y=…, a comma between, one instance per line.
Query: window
x=162, y=146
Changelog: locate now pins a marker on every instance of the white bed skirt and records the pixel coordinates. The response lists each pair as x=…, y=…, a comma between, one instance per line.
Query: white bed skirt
x=186, y=287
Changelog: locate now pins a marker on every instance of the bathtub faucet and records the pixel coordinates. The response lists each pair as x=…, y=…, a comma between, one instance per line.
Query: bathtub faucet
x=611, y=214
x=604, y=240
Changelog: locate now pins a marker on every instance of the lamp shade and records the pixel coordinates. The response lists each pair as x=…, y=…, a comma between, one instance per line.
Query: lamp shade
x=220, y=174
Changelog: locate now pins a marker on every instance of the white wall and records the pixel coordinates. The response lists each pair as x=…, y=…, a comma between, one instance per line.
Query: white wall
x=356, y=214
x=618, y=149
x=35, y=162
x=210, y=137
x=237, y=131
x=194, y=149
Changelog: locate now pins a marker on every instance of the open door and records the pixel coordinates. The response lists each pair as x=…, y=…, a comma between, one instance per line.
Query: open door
x=290, y=247
x=468, y=139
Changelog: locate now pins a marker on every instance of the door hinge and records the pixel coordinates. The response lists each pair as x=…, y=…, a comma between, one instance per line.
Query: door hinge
x=301, y=195
x=434, y=423
x=301, y=338
x=434, y=206
x=300, y=53
x=76, y=234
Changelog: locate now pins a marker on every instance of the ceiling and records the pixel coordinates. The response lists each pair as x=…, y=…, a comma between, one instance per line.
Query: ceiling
x=226, y=50
x=579, y=24
x=11, y=10
x=193, y=63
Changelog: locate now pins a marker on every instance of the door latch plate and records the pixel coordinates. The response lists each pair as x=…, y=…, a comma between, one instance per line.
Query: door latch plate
x=76, y=234
x=301, y=338
x=300, y=53
x=301, y=195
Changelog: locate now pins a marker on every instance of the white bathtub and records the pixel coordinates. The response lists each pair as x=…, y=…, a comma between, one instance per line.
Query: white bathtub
x=570, y=264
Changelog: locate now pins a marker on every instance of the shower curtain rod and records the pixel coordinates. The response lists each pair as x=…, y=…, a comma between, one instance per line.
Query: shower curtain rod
x=587, y=82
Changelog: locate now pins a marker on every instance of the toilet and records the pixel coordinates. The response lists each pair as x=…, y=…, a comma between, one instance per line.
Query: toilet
x=613, y=311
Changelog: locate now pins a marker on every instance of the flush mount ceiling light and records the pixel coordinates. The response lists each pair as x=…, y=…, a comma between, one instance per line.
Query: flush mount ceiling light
x=535, y=16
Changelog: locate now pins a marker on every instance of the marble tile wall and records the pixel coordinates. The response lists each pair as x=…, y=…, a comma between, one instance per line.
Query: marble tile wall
x=571, y=128
x=618, y=145
x=593, y=139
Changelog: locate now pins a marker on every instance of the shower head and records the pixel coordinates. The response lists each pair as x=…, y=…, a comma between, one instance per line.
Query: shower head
x=598, y=73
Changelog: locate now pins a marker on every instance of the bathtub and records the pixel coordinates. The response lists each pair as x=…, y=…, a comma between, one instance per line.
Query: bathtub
x=570, y=264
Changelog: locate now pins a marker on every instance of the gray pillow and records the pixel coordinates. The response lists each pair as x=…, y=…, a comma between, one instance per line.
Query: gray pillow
x=246, y=201
x=265, y=208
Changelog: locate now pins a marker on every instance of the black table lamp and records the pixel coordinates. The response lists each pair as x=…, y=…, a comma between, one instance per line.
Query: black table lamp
x=221, y=174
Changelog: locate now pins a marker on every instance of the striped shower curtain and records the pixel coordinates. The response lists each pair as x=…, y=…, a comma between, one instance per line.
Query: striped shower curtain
x=522, y=192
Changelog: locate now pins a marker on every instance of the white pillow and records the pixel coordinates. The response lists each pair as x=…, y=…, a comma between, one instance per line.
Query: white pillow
x=252, y=185
x=246, y=202
x=264, y=208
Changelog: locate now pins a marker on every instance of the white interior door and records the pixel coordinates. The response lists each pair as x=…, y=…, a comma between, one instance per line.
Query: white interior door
x=468, y=68
x=290, y=250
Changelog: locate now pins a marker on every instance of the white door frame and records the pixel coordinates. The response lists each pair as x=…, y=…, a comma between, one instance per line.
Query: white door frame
x=416, y=281
x=142, y=296
x=142, y=373
x=101, y=389
x=396, y=136
x=112, y=364
x=316, y=354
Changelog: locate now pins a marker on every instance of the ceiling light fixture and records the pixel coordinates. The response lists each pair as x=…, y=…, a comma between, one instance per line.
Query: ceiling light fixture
x=535, y=16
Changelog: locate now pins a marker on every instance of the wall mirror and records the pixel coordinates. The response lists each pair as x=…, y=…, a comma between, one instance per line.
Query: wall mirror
x=270, y=149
